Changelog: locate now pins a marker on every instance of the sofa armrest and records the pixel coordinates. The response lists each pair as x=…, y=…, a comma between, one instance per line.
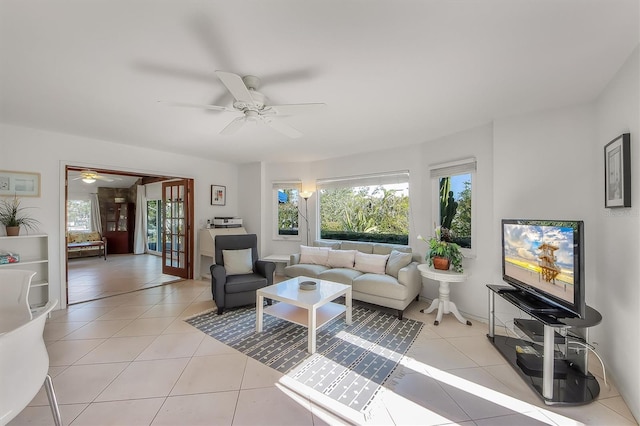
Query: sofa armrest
x=266, y=269
x=218, y=281
x=294, y=259
x=410, y=277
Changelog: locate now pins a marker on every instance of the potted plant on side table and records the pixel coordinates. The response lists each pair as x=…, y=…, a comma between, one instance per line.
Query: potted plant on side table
x=13, y=216
x=443, y=254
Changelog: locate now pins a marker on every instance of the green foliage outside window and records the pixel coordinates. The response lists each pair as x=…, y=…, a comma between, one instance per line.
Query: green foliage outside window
x=370, y=213
x=455, y=214
x=288, y=213
x=78, y=215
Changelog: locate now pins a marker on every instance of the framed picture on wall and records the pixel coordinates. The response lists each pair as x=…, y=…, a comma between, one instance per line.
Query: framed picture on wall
x=617, y=172
x=218, y=195
x=19, y=184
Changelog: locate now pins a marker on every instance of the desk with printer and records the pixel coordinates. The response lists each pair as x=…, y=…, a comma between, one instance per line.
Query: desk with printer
x=207, y=237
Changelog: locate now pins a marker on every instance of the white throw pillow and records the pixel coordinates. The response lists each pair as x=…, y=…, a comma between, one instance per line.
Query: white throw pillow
x=237, y=262
x=342, y=258
x=397, y=260
x=314, y=255
x=374, y=263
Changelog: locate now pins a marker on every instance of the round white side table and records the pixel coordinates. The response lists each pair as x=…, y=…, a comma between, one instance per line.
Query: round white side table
x=444, y=305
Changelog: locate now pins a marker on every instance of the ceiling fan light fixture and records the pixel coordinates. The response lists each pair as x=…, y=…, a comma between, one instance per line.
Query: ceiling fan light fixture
x=88, y=180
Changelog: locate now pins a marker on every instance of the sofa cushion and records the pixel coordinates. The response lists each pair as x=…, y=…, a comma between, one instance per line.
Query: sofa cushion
x=381, y=248
x=380, y=285
x=83, y=237
x=335, y=245
x=374, y=263
x=245, y=282
x=304, y=269
x=237, y=262
x=342, y=258
x=397, y=260
x=314, y=255
x=355, y=245
x=340, y=275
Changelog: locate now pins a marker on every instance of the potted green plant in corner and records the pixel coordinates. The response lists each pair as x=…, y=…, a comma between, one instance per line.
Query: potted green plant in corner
x=13, y=216
x=443, y=254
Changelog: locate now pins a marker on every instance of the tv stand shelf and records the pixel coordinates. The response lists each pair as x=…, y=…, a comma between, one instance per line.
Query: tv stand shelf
x=560, y=377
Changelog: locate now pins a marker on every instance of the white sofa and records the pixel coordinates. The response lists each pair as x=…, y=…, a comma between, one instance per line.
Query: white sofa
x=394, y=284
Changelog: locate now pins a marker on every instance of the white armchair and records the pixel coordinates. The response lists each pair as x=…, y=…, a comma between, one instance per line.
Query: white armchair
x=14, y=297
x=24, y=367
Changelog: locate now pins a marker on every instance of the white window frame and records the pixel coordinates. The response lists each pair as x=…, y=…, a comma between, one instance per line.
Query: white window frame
x=289, y=184
x=453, y=168
x=374, y=179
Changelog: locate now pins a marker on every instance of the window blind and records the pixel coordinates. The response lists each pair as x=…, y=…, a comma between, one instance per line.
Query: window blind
x=453, y=168
x=291, y=184
x=364, y=180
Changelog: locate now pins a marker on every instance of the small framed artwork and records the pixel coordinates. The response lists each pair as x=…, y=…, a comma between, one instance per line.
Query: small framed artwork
x=19, y=184
x=617, y=172
x=218, y=195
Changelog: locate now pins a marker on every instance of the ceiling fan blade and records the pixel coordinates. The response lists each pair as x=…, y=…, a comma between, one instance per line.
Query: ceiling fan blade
x=291, y=109
x=234, y=126
x=236, y=86
x=106, y=179
x=210, y=107
x=283, y=128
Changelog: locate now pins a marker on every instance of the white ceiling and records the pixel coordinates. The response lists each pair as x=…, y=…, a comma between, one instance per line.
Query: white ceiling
x=77, y=186
x=391, y=72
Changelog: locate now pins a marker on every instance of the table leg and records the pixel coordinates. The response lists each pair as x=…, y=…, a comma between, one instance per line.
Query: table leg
x=259, y=308
x=454, y=310
x=432, y=307
x=311, y=346
x=440, y=312
x=348, y=304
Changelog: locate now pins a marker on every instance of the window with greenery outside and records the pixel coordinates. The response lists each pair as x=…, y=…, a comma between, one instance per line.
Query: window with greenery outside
x=79, y=215
x=375, y=213
x=287, y=199
x=455, y=209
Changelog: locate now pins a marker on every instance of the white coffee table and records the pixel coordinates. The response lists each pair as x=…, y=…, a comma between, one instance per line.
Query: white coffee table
x=308, y=308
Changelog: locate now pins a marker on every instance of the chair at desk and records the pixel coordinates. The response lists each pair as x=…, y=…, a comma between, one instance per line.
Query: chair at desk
x=14, y=297
x=24, y=367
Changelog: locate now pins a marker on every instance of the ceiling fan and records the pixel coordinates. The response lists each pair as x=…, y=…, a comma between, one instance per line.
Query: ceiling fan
x=254, y=106
x=90, y=176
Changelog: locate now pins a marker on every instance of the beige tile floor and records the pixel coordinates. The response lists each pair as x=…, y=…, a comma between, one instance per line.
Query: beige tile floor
x=92, y=278
x=132, y=360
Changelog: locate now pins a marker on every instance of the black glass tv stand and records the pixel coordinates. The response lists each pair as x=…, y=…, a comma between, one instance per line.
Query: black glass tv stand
x=553, y=367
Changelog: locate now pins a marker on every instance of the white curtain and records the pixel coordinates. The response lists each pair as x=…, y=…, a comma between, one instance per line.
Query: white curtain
x=140, y=236
x=96, y=219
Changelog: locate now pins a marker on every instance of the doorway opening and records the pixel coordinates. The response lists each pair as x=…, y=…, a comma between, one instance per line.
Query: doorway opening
x=126, y=210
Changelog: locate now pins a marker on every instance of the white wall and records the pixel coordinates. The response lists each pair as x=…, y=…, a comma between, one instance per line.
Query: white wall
x=551, y=165
x=476, y=143
x=250, y=200
x=48, y=152
x=616, y=288
x=273, y=172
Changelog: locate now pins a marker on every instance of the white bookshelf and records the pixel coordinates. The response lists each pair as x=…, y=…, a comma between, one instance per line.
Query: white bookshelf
x=33, y=250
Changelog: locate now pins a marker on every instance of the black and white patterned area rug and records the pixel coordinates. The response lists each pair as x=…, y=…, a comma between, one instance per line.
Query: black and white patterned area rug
x=351, y=363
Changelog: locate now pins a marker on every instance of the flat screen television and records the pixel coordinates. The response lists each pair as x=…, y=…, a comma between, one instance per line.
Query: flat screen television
x=544, y=261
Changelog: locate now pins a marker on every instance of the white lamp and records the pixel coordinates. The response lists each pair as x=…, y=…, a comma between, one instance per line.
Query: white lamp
x=306, y=195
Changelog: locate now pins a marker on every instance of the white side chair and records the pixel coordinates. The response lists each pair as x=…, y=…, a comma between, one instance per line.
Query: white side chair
x=24, y=367
x=14, y=297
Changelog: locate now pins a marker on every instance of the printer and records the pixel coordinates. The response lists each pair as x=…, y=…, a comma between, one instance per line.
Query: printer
x=227, y=222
